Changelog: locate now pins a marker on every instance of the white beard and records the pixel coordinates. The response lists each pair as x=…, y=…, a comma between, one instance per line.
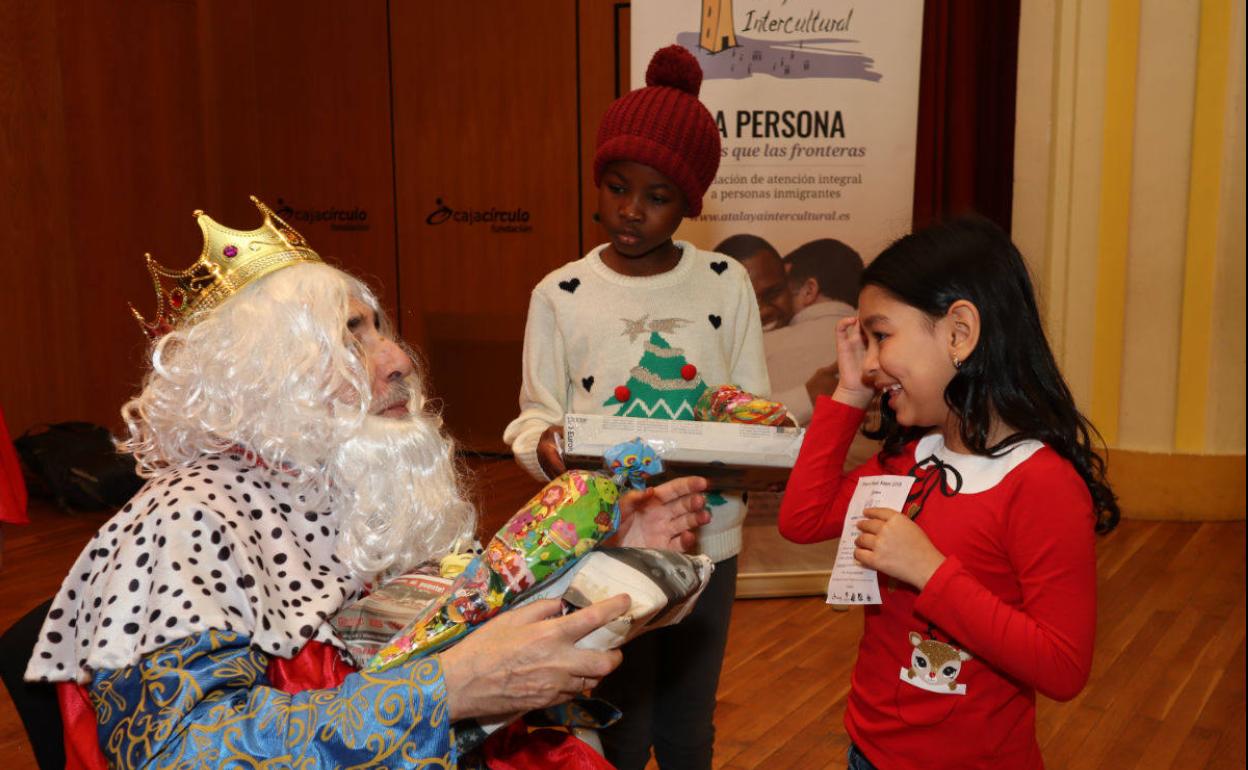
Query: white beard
x=397, y=496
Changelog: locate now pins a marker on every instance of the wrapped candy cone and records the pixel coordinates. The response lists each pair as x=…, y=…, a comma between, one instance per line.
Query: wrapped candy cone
x=728, y=403
x=561, y=523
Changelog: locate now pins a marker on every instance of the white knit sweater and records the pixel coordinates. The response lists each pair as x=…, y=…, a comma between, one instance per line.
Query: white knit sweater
x=589, y=328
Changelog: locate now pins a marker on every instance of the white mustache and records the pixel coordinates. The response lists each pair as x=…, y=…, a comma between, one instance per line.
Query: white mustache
x=399, y=395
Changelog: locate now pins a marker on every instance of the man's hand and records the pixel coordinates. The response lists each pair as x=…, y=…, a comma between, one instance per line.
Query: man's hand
x=526, y=659
x=823, y=382
x=893, y=544
x=663, y=516
x=548, y=455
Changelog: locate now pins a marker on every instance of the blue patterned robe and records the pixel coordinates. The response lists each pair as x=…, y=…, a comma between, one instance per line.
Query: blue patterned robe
x=205, y=702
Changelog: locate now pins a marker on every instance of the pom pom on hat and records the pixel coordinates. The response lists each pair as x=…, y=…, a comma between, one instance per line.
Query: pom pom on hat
x=665, y=127
x=675, y=67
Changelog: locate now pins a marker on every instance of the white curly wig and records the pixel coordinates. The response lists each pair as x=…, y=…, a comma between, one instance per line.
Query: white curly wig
x=274, y=370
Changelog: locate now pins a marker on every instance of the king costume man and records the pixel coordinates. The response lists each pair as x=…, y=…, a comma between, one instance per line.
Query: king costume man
x=292, y=462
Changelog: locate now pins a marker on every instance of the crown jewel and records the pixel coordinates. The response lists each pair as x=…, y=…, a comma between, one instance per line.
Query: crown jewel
x=230, y=260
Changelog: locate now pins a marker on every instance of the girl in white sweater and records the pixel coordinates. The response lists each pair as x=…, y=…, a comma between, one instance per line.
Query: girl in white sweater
x=640, y=327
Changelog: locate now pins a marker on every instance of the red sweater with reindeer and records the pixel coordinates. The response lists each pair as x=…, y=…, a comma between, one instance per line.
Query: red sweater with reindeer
x=947, y=677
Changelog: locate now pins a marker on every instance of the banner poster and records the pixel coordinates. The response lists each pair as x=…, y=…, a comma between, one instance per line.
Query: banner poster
x=817, y=104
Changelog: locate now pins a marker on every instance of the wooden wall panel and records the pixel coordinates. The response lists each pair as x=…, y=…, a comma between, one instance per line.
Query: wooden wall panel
x=604, y=76
x=294, y=99
x=485, y=115
x=132, y=143
x=120, y=119
x=38, y=307
x=125, y=118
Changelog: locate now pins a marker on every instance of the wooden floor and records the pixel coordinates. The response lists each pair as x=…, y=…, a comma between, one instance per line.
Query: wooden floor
x=1167, y=687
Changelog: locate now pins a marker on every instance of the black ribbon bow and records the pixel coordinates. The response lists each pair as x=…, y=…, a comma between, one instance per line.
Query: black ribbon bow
x=940, y=474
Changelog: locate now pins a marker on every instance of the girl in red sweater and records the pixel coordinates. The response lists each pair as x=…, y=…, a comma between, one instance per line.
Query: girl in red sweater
x=988, y=575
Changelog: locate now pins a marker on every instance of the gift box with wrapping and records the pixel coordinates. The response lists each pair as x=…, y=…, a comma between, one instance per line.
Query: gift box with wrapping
x=730, y=456
x=368, y=624
x=571, y=515
x=663, y=587
x=544, y=550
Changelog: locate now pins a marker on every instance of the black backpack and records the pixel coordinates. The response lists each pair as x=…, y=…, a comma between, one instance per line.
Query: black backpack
x=76, y=465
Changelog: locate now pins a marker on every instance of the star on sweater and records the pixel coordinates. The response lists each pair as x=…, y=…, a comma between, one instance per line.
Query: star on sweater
x=634, y=328
x=660, y=325
x=667, y=325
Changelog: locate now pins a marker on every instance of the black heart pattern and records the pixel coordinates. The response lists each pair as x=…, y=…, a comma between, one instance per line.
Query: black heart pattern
x=715, y=320
x=588, y=382
x=570, y=285
x=719, y=267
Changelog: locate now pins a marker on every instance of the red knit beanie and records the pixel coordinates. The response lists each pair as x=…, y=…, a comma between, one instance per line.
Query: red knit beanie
x=664, y=126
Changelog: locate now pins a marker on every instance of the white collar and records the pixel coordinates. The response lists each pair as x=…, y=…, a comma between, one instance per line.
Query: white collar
x=672, y=277
x=979, y=473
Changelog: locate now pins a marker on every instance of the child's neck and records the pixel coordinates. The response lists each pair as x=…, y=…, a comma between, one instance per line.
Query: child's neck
x=952, y=434
x=657, y=261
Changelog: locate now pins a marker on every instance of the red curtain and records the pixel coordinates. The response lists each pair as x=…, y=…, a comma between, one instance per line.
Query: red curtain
x=12, y=489
x=965, y=146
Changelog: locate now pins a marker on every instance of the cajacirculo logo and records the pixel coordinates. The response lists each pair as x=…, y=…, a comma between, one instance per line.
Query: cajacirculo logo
x=352, y=218
x=500, y=220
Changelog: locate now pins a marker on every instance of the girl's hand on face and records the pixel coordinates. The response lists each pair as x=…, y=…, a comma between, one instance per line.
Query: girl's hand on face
x=893, y=544
x=850, y=353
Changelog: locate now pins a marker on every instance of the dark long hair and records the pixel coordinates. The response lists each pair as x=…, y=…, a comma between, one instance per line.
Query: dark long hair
x=1011, y=374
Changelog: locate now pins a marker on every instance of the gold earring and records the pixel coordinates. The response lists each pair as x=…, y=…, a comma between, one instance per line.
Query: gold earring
x=957, y=364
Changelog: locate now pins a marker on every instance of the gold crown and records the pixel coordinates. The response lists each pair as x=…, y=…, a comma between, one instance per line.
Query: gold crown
x=231, y=259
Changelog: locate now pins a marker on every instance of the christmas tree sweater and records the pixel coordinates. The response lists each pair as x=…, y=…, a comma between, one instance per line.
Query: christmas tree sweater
x=598, y=342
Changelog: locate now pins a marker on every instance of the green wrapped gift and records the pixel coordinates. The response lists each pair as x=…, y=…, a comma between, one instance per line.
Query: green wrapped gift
x=561, y=523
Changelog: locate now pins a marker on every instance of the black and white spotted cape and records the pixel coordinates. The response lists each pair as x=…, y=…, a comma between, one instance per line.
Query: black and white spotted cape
x=220, y=544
